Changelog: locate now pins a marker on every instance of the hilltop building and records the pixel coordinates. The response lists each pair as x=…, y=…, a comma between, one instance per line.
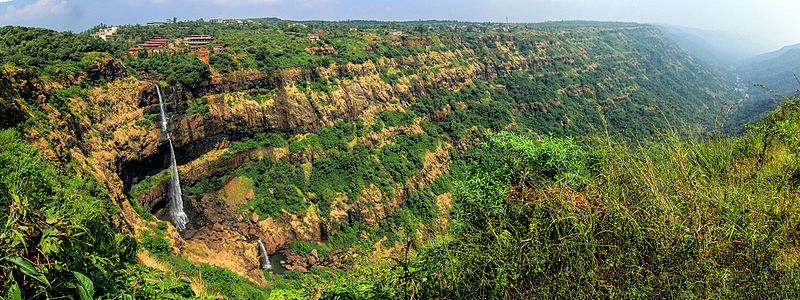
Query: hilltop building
x=198, y=39
x=166, y=21
x=152, y=45
x=227, y=21
x=106, y=33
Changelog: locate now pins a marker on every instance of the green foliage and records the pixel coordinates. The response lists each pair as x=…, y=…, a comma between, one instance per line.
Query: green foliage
x=304, y=248
x=180, y=69
x=319, y=85
x=516, y=236
x=393, y=118
x=205, y=185
x=532, y=218
x=149, y=182
x=140, y=282
x=61, y=98
x=55, y=224
x=198, y=107
x=12, y=290
x=229, y=284
x=155, y=241
x=540, y=162
x=347, y=236
x=154, y=117
x=48, y=52
x=223, y=62
x=85, y=286
x=29, y=270
x=552, y=219
x=261, y=140
x=281, y=294
x=276, y=187
x=216, y=280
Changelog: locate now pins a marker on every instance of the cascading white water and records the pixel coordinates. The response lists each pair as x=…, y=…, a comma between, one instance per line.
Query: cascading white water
x=179, y=217
x=264, y=256
x=176, y=205
x=161, y=109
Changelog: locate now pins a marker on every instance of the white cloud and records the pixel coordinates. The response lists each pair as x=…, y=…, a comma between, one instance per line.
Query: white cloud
x=4, y=1
x=36, y=10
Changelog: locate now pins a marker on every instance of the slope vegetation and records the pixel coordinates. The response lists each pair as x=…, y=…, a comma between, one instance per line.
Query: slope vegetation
x=340, y=145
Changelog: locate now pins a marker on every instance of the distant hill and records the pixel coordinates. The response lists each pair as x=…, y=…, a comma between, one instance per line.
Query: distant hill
x=770, y=79
x=776, y=70
x=771, y=55
x=717, y=48
x=767, y=77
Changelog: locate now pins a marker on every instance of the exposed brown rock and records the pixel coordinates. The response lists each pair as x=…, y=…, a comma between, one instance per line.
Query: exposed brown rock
x=108, y=136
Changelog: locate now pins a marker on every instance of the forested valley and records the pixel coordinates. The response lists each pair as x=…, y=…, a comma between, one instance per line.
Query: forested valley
x=385, y=160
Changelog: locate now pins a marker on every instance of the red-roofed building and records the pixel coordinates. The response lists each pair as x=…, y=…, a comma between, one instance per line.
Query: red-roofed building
x=152, y=45
x=135, y=50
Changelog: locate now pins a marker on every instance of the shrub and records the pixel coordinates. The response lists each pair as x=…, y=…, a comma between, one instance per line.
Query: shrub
x=198, y=108
x=260, y=140
x=156, y=242
x=304, y=248
x=55, y=223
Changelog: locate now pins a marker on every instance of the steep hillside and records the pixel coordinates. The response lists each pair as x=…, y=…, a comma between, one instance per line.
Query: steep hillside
x=552, y=218
x=770, y=79
x=330, y=142
x=775, y=70
x=765, y=79
x=718, y=48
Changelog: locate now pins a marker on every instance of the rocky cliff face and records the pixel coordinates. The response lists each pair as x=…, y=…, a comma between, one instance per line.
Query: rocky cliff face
x=361, y=94
x=109, y=134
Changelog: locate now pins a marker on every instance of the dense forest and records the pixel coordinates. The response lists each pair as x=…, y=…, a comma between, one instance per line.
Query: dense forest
x=388, y=160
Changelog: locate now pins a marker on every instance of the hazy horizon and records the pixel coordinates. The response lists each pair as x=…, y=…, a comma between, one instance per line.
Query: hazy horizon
x=766, y=25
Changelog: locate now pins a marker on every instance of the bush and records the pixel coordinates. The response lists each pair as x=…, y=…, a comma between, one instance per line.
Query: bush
x=156, y=242
x=223, y=62
x=551, y=159
x=393, y=118
x=229, y=284
x=182, y=69
x=198, y=108
x=304, y=248
x=55, y=223
x=261, y=140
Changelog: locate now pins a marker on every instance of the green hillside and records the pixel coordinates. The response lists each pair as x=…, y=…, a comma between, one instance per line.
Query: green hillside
x=386, y=160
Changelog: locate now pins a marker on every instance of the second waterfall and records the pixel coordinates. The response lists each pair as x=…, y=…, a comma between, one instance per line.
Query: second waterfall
x=179, y=217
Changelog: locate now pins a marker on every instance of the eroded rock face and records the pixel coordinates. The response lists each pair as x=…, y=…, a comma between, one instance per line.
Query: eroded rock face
x=110, y=136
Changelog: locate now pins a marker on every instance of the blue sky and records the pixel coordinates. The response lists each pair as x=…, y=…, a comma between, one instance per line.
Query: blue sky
x=773, y=23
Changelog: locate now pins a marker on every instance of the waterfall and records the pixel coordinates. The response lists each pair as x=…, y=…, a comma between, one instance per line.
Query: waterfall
x=263, y=256
x=176, y=205
x=161, y=109
x=179, y=217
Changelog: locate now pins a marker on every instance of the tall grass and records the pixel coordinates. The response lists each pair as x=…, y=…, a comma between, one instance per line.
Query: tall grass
x=678, y=218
